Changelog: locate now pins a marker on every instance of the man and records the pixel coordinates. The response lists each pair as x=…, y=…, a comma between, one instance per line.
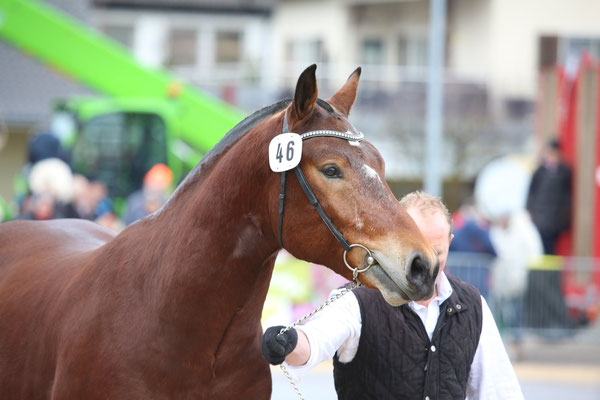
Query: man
x=549, y=204
x=549, y=197
x=445, y=347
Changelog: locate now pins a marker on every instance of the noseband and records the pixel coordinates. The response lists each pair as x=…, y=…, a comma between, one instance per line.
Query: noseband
x=315, y=202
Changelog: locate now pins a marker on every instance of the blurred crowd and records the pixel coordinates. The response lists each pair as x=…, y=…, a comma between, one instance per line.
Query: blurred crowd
x=501, y=231
x=513, y=225
x=48, y=188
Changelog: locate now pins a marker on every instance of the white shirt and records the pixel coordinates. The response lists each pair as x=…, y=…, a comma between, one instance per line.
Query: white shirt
x=337, y=327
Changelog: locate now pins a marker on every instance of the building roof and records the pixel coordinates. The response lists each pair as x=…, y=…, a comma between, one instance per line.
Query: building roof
x=28, y=88
x=211, y=6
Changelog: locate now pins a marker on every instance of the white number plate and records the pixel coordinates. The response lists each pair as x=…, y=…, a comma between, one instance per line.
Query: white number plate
x=285, y=152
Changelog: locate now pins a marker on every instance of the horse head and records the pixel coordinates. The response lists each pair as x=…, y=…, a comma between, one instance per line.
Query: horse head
x=347, y=178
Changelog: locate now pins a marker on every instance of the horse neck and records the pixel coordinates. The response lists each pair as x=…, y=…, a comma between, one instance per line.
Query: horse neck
x=213, y=241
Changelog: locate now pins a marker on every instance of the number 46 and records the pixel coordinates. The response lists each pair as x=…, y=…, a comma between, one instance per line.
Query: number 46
x=289, y=154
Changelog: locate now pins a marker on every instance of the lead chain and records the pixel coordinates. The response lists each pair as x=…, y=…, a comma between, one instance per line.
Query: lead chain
x=330, y=300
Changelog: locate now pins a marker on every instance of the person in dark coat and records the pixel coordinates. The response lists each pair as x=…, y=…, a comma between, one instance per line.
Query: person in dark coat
x=549, y=197
x=549, y=204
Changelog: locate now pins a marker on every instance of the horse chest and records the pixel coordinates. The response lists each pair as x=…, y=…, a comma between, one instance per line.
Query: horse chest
x=161, y=376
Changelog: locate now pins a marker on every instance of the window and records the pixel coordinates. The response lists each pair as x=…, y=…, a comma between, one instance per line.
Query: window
x=574, y=48
x=229, y=47
x=566, y=51
x=182, y=47
x=412, y=51
x=119, y=148
x=306, y=51
x=373, y=51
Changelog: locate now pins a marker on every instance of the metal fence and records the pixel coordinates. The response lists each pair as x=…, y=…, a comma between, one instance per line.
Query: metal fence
x=559, y=297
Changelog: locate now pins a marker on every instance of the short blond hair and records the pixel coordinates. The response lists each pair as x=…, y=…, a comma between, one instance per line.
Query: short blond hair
x=426, y=204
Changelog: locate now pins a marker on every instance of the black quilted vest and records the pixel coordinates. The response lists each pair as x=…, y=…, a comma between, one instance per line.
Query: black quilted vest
x=396, y=360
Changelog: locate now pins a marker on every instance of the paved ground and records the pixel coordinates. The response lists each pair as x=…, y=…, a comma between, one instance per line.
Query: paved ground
x=568, y=368
x=546, y=382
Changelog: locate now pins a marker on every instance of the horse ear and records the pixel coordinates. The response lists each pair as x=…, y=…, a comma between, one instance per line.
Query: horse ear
x=344, y=98
x=306, y=93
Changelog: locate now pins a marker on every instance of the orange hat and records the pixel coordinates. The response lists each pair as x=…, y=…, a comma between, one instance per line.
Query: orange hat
x=159, y=176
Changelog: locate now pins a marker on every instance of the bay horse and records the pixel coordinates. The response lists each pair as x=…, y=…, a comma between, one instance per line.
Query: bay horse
x=170, y=307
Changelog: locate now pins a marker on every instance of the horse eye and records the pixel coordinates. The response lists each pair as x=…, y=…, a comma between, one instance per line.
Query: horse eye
x=331, y=171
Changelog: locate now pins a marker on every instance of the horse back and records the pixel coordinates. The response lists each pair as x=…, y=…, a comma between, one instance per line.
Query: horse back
x=40, y=242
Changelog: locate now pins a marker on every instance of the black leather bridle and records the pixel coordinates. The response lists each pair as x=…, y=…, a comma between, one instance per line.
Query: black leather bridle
x=313, y=199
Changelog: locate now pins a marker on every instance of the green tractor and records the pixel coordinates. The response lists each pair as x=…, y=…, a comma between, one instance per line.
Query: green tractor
x=145, y=116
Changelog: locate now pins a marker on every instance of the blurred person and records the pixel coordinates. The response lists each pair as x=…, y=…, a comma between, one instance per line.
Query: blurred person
x=471, y=230
x=106, y=216
x=471, y=250
x=42, y=146
x=445, y=347
x=46, y=145
x=39, y=207
x=51, y=184
x=290, y=289
x=90, y=198
x=91, y=201
x=153, y=194
x=99, y=193
x=323, y=280
x=83, y=198
x=518, y=245
x=549, y=196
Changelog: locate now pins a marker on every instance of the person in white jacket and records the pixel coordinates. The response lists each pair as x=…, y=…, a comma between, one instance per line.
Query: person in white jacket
x=518, y=245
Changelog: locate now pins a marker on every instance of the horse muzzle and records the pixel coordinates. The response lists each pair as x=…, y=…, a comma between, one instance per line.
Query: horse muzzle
x=414, y=281
x=421, y=277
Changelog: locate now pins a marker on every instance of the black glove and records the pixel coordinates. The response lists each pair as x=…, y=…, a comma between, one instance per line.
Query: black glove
x=276, y=346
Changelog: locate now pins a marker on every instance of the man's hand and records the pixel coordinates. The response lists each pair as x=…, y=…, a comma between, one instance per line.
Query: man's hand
x=276, y=346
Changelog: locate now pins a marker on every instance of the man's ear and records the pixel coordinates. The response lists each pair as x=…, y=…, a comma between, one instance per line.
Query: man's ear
x=344, y=98
x=305, y=95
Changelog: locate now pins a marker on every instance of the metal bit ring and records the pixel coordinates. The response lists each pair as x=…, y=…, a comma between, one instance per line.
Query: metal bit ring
x=370, y=260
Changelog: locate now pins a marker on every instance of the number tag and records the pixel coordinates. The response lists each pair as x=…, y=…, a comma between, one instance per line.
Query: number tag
x=285, y=152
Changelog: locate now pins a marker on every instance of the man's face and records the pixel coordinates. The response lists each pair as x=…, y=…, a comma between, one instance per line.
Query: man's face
x=436, y=230
x=551, y=157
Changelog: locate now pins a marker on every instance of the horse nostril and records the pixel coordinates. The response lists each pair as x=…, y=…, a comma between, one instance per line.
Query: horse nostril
x=418, y=272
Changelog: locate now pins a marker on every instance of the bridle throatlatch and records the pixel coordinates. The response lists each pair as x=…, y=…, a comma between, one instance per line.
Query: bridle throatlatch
x=370, y=260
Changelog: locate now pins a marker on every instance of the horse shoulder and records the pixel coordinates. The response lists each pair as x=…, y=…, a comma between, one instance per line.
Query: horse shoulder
x=38, y=259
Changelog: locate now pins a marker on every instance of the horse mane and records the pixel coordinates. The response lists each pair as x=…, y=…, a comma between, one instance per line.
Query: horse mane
x=239, y=131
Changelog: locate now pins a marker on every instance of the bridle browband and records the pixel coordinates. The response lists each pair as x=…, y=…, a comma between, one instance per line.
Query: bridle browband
x=313, y=199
